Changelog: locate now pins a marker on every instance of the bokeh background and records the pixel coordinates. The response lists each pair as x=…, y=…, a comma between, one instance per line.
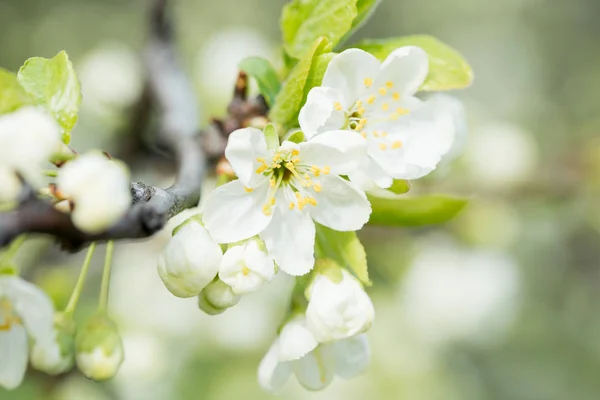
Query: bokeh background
x=502, y=303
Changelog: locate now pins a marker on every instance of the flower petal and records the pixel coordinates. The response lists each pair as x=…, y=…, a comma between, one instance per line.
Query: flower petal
x=34, y=307
x=244, y=146
x=295, y=340
x=352, y=356
x=319, y=113
x=340, y=205
x=351, y=72
x=369, y=176
x=13, y=353
x=232, y=214
x=273, y=374
x=316, y=370
x=406, y=68
x=339, y=150
x=290, y=240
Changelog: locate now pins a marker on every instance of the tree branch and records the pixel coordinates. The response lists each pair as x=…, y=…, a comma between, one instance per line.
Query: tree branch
x=178, y=132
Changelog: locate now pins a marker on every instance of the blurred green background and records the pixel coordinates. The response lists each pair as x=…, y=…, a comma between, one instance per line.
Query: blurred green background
x=502, y=303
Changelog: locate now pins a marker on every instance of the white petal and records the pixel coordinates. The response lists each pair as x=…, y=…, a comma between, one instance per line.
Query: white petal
x=316, y=370
x=340, y=205
x=244, y=146
x=246, y=267
x=290, y=240
x=406, y=68
x=295, y=340
x=348, y=71
x=34, y=307
x=370, y=176
x=231, y=214
x=10, y=184
x=13, y=356
x=459, y=122
x=273, y=374
x=352, y=356
x=319, y=113
x=340, y=150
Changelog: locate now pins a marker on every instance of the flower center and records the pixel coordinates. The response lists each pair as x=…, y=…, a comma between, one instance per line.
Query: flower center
x=286, y=171
x=7, y=315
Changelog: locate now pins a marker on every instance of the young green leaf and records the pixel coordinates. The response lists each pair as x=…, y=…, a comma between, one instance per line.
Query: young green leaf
x=414, y=211
x=53, y=83
x=344, y=248
x=294, y=90
x=271, y=137
x=365, y=9
x=303, y=21
x=265, y=75
x=12, y=94
x=296, y=137
x=447, y=68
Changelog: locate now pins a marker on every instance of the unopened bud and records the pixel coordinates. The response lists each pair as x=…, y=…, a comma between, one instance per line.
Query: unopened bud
x=56, y=355
x=99, y=349
x=217, y=297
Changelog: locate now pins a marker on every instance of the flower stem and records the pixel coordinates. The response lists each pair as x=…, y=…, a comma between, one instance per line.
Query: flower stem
x=11, y=251
x=103, y=302
x=74, y=299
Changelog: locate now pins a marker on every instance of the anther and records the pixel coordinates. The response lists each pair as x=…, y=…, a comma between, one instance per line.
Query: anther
x=368, y=82
x=382, y=91
x=397, y=144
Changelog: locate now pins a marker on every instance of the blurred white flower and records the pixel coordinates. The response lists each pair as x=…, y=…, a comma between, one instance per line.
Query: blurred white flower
x=282, y=192
x=25, y=310
x=455, y=108
x=405, y=137
x=217, y=62
x=451, y=294
x=56, y=355
x=338, y=310
x=217, y=297
x=98, y=187
x=99, y=349
x=501, y=155
x=246, y=266
x=111, y=76
x=190, y=260
x=29, y=136
x=297, y=351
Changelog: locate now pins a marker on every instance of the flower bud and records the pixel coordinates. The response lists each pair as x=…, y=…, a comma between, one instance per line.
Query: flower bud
x=56, y=354
x=190, y=261
x=98, y=187
x=338, y=310
x=246, y=266
x=217, y=297
x=99, y=349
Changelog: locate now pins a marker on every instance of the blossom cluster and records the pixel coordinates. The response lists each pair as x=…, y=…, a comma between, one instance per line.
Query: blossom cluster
x=361, y=129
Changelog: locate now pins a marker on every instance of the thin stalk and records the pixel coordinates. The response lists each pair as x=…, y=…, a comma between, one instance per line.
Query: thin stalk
x=74, y=299
x=103, y=301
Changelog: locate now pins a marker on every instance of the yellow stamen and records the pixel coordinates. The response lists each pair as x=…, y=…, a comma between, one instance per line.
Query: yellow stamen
x=359, y=127
x=397, y=144
x=338, y=106
x=363, y=134
x=272, y=182
x=295, y=152
x=311, y=201
x=295, y=160
x=384, y=134
x=266, y=209
x=261, y=168
x=385, y=106
x=248, y=190
x=317, y=187
x=396, y=96
x=272, y=201
x=245, y=271
x=315, y=170
x=260, y=159
x=363, y=121
x=371, y=99
x=402, y=111
x=361, y=110
x=368, y=82
x=382, y=91
x=358, y=103
x=326, y=169
x=389, y=84
x=382, y=146
x=292, y=205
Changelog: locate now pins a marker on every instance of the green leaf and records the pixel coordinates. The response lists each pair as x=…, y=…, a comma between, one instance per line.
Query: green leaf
x=296, y=137
x=295, y=89
x=12, y=94
x=317, y=71
x=265, y=75
x=447, y=67
x=303, y=21
x=365, y=9
x=329, y=268
x=53, y=83
x=343, y=248
x=414, y=211
x=271, y=137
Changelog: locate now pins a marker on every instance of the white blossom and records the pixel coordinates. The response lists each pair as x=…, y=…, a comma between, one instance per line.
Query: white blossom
x=405, y=137
x=25, y=311
x=246, y=266
x=296, y=351
x=217, y=297
x=280, y=192
x=56, y=354
x=29, y=136
x=99, y=188
x=190, y=261
x=338, y=310
x=99, y=349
